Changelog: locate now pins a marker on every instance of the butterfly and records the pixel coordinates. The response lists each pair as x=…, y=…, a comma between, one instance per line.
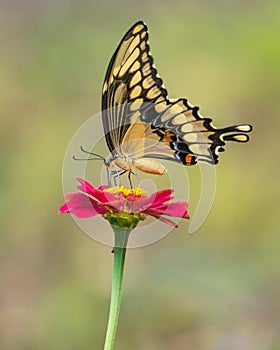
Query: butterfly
x=142, y=124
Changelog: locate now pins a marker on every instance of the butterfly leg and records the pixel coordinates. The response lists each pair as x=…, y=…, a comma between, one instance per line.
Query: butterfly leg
x=108, y=177
x=129, y=179
x=117, y=174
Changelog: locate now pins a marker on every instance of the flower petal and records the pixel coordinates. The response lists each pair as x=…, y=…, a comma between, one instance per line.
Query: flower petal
x=159, y=197
x=165, y=220
x=176, y=209
x=115, y=205
x=94, y=192
x=103, y=187
x=94, y=201
x=81, y=206
x=86, y=186
x=64, y=209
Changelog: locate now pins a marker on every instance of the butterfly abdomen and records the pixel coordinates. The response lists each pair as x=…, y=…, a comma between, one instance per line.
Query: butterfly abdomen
x=149, y=166
x=146, y=165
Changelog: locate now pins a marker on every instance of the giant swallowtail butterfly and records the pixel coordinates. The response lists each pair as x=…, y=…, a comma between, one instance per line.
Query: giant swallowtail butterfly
x=141, y=123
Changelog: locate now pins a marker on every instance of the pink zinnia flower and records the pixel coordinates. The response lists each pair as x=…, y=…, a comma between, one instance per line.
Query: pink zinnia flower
x=123, y=207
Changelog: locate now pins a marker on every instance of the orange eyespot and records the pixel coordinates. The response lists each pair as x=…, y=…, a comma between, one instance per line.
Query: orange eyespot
x=168, y=136
x=189, y=158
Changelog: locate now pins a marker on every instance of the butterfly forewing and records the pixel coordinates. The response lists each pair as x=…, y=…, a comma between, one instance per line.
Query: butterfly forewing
x=130, y=79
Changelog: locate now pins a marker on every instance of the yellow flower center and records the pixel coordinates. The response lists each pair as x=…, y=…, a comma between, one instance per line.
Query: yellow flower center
x=137, y=192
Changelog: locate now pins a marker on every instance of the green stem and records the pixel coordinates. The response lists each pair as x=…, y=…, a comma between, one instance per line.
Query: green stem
x=121, y=238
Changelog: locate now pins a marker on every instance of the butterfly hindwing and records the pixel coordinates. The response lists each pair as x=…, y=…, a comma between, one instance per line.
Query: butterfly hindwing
x=193, y=134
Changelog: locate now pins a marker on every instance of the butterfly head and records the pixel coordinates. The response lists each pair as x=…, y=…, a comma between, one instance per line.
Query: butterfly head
x=107, y=163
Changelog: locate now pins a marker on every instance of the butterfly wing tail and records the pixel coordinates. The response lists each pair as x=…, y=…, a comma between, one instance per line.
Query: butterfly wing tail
x=236, y=133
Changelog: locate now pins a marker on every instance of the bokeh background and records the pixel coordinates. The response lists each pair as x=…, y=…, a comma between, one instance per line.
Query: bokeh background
x=217, y=289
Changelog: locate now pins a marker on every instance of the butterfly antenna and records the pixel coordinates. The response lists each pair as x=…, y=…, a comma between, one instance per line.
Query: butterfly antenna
x=97, y=156
x=75, y=158
x=93, y=154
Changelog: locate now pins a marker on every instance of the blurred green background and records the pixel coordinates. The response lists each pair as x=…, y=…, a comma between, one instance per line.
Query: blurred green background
x=218, y=289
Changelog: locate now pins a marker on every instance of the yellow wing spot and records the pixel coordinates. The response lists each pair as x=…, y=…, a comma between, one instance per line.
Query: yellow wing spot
x=204, y=136
x=190, y=137
x=136, y=104
x=136, y=92
x=137, y=29
x=176, y=109
x=135, y=79
x=116, y=71
x=153, y=92
x=129, y=61
x=180, y=119
x=240, y=138
x=147, y=82
x=143, y=45
x=135, y=117
x=197, y=148
x=135, y=67
x=160, y=107
x=245, y=128
x=144, y=57
x=146, y=69
x=189, y=114
x=197, y=125
x=120, y=93
x=123, y=52
x=159, y=100
x=166, y=116
x=135, y=42
x=187, y=127
x=143, y=35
